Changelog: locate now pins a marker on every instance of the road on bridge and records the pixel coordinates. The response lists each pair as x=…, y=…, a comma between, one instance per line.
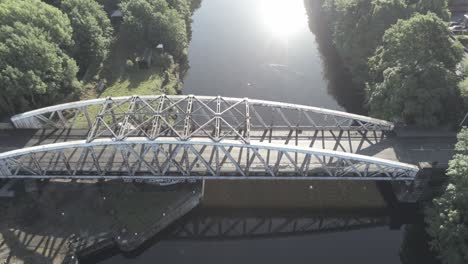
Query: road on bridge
x=409, y=146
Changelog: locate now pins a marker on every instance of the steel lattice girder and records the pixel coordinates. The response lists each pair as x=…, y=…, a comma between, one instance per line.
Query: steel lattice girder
x=186, y=116
x=197, y=158
x=220, y=228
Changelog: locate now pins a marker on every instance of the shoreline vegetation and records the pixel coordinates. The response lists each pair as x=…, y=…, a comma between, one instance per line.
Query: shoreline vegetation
x=400, y=58
x=84, y=49
x=400, y=55
x=121, y=72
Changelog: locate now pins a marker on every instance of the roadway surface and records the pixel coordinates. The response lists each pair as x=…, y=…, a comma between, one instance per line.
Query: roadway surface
x=404, y=145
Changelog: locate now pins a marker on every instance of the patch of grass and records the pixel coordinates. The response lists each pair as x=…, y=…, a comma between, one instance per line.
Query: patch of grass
x=125, y=78
x=142, y=82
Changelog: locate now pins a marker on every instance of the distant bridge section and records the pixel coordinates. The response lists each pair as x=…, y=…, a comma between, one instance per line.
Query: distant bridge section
x=195, y=158
x=187, y=116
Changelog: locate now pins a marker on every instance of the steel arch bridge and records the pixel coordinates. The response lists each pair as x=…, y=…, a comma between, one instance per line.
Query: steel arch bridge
x=187, y=116
x=195, y=137
x=196, y=158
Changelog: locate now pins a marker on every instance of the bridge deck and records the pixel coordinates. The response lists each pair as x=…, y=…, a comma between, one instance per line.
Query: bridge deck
x=408, y=146
x=197, y=158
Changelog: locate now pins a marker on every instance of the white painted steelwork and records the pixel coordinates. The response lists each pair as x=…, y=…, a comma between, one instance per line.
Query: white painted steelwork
x=188, y=116
x=195, y=158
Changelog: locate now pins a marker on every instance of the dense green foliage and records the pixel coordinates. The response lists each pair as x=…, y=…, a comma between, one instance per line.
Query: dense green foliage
x=34, y=69
x=463, y=85
x=92, y=31
x=438, y=7
x=38, y=14
x=447, y=218
x=47, y=76
x=154, y=21
x=409, y=66
x=40, y=41
x=358, y=26
x=415, y=68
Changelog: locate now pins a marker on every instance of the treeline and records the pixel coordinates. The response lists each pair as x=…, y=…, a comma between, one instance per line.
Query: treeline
x=47, y=46
x=447, y=217
x=401, y=52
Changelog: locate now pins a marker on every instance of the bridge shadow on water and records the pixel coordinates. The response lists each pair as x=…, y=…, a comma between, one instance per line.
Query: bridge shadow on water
x=259, y=226
x=219, y=221
x=43, y=226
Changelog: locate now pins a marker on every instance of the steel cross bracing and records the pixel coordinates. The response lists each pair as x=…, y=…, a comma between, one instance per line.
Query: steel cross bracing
x=219, y=227
x=187, y=116
x=196, y=158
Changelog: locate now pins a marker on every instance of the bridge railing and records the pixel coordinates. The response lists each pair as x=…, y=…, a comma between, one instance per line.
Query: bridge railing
x=187, y=116
x=197, y=158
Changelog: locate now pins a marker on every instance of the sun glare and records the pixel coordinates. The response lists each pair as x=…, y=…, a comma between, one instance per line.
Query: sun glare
x=283, y=17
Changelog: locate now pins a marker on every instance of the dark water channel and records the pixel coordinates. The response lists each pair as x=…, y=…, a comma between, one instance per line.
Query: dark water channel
x=276, y=50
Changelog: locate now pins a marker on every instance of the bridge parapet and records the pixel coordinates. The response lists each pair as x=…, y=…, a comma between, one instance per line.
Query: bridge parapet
x=187, y=116
x=196, y=158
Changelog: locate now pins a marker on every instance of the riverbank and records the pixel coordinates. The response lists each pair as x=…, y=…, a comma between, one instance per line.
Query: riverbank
x=121, y=75
x=148, y=54
x=52, y=225
x=378, y=43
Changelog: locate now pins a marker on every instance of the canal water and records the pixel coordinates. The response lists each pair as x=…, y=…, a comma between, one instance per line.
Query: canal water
x=273, y=50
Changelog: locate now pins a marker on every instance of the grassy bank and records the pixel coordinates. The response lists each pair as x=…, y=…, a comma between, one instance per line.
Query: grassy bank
x=123, y=76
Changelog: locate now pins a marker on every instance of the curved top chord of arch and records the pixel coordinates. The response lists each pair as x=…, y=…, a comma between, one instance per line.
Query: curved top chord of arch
x=196, y=158
x=186, y=116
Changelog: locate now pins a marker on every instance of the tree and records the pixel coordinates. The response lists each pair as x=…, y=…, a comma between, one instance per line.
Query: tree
x=384, y=14
x=447, y=217
x=154, y=22
x=33, y=70
x=438, y=7
x=414, y=72
x=38, y=14
x=92, y=31
x=174, y=33
x=358, y=27
x=182, y=7
x=463, y=85
x=142, y=18
x=423, y=96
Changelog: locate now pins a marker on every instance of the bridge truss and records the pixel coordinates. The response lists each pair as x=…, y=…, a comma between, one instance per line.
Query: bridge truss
x=196, y=158
x=241, y=227
x=188, y=116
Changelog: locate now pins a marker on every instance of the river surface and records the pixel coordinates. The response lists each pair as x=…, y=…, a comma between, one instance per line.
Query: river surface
x=265, y=49
x=237, y=51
